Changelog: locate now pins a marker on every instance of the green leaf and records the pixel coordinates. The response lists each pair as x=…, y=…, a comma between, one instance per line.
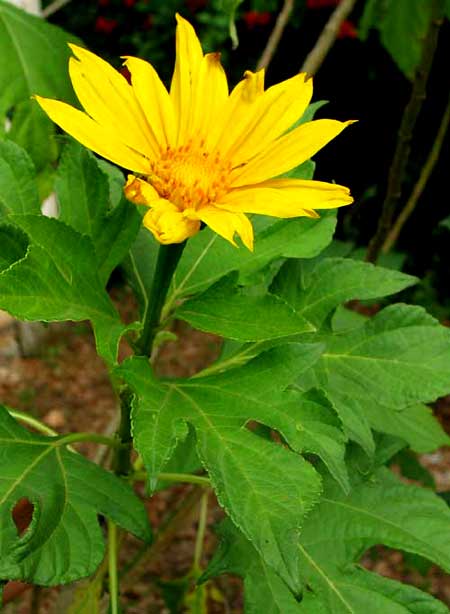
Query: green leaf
x=315, y=288
x=84, y=194
x=82, y=189
x=399, y=358
x=207, y=257
x=57, y=280
x=264, y=487
x=18, y=190
x=33, y=58
x=64, y=541
x=32, y=130
x=380, y=510
x=230, y=312
x=403, y=25
x=139, y=267
x=414, y=424
x=264, y=590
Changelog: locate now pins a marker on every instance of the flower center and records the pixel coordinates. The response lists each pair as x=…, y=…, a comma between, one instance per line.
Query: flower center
x=190, y=177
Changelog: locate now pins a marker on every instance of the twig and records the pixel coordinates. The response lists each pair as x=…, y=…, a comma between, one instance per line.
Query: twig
x=402, y=150
x=276, y=34
x=425, y=174
x=113, y=582
x=53, y=7
x=319, y=52
x=203, y=516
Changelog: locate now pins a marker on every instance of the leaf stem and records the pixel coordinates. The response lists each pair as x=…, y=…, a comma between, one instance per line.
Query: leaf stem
x=93, y=437
x=203, y=516
x=168, y=257
x=113, y=582
x=185, y=478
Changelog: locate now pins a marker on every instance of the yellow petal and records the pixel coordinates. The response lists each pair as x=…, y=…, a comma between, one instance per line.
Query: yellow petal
x=227, y=223
x=237, y=112
x=140, y=192
x=288, y=151
x=274, y=112
x=168, y=224
x=187, y=64
x=265, y=201
x=154, y=100
x=109, y=99
x=209, y=97
x=313, y=194
x=92, y=135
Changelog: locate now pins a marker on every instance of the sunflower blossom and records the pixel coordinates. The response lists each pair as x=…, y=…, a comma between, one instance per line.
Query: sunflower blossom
x=199, y=153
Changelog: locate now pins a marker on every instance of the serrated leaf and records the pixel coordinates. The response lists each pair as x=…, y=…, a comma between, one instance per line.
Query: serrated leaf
x=414, y=424
x=34, y=57
x=225, y=310
x=64, y=541
x=57, y=280
x=83, y=191
x=380, y=510
x=18, y=190
x=399, y=358
x=316, y=288
x=207, y=258
x=264, y=487
x=264, y=591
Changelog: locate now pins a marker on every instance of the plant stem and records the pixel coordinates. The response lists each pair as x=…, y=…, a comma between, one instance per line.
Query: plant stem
x=168, y=257
x=425, y=174
x=122, y=456
x=409, y=119
x=113, y=582
x=93, y=437
x=186, y=478
x=319, y=52
x=276, y=34
x=203, y=516
x=32, y=421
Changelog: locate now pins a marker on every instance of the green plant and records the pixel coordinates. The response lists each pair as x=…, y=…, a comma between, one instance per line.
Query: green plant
x=292, y=427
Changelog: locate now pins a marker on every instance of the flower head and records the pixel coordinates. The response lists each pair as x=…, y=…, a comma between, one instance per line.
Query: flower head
x=198, y=153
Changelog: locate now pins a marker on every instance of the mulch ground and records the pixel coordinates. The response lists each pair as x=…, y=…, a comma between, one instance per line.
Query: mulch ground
x=66, y=385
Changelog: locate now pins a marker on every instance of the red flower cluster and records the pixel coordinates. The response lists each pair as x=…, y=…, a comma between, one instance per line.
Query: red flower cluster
x=256, y=18
x=347, y=30
x=105, y=25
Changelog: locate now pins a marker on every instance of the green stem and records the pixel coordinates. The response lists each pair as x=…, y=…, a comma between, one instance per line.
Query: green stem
x=185, y=478
x=113, y=582
x=93, y=437
x=122, y=456
x=203, y=516
x=32, y=421
x=168, y=257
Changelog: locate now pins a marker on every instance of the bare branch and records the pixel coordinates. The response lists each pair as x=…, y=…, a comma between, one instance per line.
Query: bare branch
x=276, y=34
x=319, y=52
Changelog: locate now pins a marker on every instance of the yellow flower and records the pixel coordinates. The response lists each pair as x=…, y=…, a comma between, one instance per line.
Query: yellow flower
x=200, y=153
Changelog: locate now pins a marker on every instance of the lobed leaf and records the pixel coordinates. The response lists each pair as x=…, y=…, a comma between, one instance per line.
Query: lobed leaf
x=64, y=541
x=56, y=279
x=265, y=488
